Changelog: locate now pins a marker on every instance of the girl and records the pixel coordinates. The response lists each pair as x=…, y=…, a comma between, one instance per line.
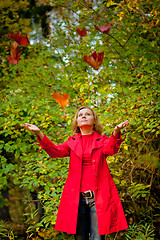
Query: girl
x=90, y=204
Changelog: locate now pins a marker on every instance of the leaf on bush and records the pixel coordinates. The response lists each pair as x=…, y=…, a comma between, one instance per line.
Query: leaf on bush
x=95, y=60
x=61, y=99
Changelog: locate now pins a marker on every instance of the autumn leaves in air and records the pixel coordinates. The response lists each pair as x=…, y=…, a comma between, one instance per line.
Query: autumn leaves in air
x=95, y=59
x=19, y=39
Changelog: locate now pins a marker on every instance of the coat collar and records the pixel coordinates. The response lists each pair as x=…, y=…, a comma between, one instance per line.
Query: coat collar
x=75, y=143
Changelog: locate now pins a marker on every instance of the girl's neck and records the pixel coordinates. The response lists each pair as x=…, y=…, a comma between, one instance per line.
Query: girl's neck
x=86, y=131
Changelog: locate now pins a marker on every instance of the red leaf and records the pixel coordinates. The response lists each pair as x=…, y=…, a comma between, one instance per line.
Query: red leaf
x=19, y=38
x=82, y=32
x=14, y=58
x=104, y=29
x=94, y=60
x=61, y=99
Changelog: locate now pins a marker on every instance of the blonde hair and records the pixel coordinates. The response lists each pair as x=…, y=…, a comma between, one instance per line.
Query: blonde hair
x=97, y=127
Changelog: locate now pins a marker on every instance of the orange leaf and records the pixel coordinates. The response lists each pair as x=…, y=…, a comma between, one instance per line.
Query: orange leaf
x=61, y=99
x=95, y=60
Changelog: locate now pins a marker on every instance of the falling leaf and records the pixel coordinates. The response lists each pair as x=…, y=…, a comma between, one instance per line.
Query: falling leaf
x=95, y=60
x=104, y=29
x=14, y=57
x=61, y=99
x=19, y=38
x=82, y=32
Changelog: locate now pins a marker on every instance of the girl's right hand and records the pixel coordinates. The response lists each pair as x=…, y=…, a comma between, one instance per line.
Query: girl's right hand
x=31, y=127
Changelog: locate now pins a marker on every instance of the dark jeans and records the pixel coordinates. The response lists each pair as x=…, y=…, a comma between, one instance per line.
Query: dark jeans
x=87, y=221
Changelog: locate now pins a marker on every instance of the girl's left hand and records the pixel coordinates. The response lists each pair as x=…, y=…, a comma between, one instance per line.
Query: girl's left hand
x=120, y=126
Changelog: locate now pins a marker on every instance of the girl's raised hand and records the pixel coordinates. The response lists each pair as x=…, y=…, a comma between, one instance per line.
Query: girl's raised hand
x=120, y=126
x=31, y=127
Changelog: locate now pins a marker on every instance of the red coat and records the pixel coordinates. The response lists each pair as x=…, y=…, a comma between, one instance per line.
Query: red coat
x=110, y=213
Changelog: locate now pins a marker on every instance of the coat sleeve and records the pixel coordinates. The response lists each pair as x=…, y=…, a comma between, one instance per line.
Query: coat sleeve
x=111, y=145
x=53, y=150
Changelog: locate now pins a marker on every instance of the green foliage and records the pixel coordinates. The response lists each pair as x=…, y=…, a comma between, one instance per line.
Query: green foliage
x=140, y=232
x=138, y=190
x=5, y=233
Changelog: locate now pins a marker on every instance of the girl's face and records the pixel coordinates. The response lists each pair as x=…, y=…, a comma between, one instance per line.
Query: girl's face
x=85, y=118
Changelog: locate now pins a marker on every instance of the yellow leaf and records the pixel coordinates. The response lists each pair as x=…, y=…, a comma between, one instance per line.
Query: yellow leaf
x=125, y=147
